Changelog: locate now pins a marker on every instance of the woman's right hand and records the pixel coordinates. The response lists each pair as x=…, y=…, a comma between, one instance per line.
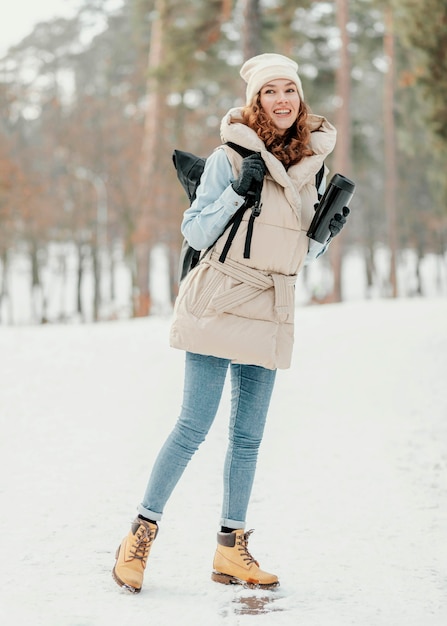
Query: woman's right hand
x=253, y=168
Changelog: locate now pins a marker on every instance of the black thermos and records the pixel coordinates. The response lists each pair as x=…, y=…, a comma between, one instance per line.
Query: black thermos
x=337, y=195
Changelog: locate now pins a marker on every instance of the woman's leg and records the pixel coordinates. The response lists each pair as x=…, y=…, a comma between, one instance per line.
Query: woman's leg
x=252, y=388
x=204, y=381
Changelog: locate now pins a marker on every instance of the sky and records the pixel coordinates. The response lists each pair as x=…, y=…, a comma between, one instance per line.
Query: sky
x=349, y=503
x=18, y=18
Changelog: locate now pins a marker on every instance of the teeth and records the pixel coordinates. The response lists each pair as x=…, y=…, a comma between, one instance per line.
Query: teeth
x=282, y=111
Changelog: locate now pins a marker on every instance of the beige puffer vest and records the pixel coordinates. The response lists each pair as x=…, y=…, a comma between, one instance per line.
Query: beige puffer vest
x=243, y=309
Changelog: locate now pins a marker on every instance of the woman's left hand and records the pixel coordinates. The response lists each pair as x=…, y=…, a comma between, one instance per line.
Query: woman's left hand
x=338, y=221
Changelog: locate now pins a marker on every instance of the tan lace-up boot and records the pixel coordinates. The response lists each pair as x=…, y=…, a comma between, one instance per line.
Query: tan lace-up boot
x=233, y=563
x=132, y=554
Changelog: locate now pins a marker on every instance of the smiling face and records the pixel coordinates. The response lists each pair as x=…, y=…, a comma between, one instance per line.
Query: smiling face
x=281, y=102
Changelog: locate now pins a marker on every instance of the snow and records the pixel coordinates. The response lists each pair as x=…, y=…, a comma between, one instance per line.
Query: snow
x=349, y=502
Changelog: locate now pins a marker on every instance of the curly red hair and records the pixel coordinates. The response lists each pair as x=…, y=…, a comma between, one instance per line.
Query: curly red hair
x=288, y=148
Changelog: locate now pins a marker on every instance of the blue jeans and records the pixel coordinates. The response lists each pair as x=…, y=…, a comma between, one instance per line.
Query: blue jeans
x=251, y=390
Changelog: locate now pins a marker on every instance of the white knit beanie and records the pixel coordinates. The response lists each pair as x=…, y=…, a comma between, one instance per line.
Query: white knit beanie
x=258, y=70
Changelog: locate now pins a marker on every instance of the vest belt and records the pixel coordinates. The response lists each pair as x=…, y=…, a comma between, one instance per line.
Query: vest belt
x=251, y=283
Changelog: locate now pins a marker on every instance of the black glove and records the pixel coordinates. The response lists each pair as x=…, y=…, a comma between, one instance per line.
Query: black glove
x=338, y=221
x=253, y=168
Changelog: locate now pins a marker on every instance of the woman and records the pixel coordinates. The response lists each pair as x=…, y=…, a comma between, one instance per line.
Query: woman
x=239, y=314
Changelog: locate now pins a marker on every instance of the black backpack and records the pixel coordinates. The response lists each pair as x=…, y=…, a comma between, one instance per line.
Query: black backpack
x=189, y=168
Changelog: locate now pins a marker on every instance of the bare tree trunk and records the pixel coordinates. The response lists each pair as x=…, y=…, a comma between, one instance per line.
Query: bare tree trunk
x=147, y=201
x=420, y=257
x=38, y=296
x=96, y=281
x=369, y=267
x=342, y=160
x=390, y=148
x=251, y=35
x=62, y=269
x=142, y=300
x=4, y=291
x=79, y=279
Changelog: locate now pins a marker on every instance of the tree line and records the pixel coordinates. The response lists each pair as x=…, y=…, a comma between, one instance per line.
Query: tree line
x=92, y=106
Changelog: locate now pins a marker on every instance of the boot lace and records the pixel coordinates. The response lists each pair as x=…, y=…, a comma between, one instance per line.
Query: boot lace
x=243, y=548
x=143, y=541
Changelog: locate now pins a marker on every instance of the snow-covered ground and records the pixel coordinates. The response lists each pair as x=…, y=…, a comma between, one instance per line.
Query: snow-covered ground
x=349, y=503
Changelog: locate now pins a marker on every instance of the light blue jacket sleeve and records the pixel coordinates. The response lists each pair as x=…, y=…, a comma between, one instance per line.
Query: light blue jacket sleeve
x=215, y=204
x=316, y=249
x=206, y=218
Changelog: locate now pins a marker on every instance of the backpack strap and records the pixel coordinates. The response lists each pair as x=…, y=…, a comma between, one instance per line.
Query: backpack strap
x=235, y=223
x=252, y=201
x=318, y=180
x=244, y=152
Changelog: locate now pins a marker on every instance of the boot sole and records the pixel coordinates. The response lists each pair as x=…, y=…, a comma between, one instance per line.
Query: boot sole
x=226, y=579
x=118, y=580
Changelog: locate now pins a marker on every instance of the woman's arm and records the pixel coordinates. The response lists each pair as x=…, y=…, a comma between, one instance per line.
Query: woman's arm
x=215, y=203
